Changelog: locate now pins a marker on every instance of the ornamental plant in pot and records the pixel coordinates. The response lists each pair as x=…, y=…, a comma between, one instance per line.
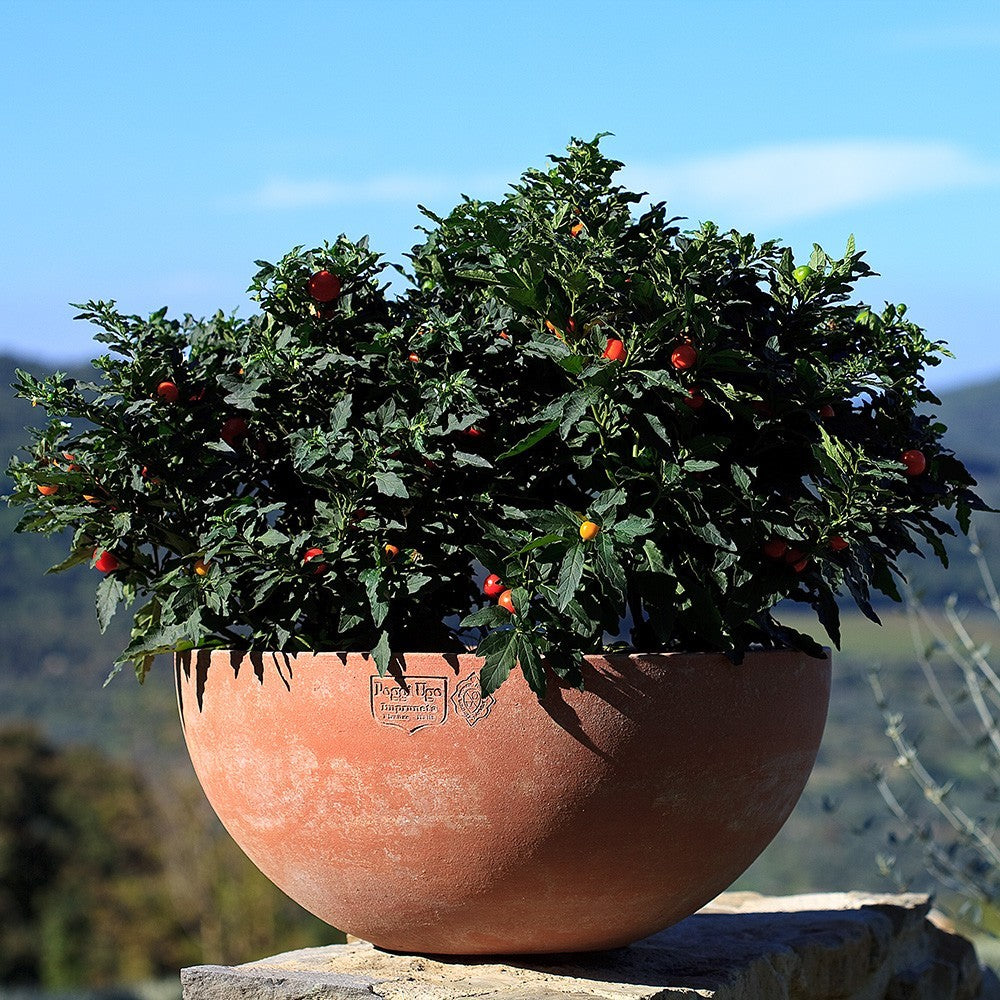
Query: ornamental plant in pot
x=472, y=589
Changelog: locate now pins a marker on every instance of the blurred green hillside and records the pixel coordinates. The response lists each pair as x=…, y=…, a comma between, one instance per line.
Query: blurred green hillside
x=95, y=785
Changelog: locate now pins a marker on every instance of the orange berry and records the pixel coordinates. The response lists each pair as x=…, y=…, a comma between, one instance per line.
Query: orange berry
x=615, y=350
x=201, y=567
x=168, y=392
x=684, y=356
x=47, y=489
x=589, y=530
x=506, y=600
x=391, y=551
x=576, y=229
x=415, y=358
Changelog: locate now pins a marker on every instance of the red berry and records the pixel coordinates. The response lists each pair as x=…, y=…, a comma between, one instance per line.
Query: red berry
x=794, y=556
x=615, y=350
x=684, y=357
x=763, y=408
x=800, y=564
x=309, y=556
x=695, y=400
x=324, y=286
x=571, y=325
x=493, y=586
x=826, y=411
x=837, y=543
x=472, y=432
x=915, y=462
x=234, y=431
x=775, y=548
x=504, y=335
x=106, y=563
x=506, y=600
x=168, y=392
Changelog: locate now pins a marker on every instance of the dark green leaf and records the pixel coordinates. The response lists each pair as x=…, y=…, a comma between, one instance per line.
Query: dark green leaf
x=570, y=573
x=531, y=440
x=381, y=654
x=499, y=663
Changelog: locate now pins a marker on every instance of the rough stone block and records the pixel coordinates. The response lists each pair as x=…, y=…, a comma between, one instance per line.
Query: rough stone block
x=742, y=946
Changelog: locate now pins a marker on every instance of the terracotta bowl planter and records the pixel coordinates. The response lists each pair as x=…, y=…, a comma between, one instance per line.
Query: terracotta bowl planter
x=410, y=812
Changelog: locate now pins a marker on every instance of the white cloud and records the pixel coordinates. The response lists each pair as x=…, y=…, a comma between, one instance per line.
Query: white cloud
x=769, y=185
x=283, y=193
x=785, y=183
x=950, y=36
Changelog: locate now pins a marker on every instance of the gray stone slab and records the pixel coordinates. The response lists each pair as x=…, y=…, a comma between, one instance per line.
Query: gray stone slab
x=246, y=983
x=830, y=946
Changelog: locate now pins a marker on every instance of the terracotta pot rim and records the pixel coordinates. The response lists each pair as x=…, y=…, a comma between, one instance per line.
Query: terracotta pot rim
x=469, y=655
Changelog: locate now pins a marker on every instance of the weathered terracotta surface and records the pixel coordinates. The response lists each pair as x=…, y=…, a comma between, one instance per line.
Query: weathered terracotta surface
x=421, y=819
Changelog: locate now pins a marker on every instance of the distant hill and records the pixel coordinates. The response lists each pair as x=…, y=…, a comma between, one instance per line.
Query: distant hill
x=972, y=415
x=47, y=623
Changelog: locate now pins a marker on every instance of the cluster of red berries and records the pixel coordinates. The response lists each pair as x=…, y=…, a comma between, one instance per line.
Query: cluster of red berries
x=780, y=551
x=493, y=586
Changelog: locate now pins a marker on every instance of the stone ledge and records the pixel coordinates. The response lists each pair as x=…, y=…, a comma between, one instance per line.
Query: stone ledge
x=742, y=946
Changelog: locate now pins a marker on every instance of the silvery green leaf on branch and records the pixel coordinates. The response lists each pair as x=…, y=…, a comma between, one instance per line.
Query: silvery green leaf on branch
x=390, y=484
x=109, y=595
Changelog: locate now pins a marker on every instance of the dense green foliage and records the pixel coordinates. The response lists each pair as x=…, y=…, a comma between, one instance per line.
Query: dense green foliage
x=643, y=432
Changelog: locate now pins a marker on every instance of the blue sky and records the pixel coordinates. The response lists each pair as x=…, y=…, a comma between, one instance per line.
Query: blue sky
x=153, y=151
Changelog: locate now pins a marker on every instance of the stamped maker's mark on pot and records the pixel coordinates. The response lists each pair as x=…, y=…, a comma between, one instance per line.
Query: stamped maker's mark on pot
x=411, y=703
x=469, y=701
